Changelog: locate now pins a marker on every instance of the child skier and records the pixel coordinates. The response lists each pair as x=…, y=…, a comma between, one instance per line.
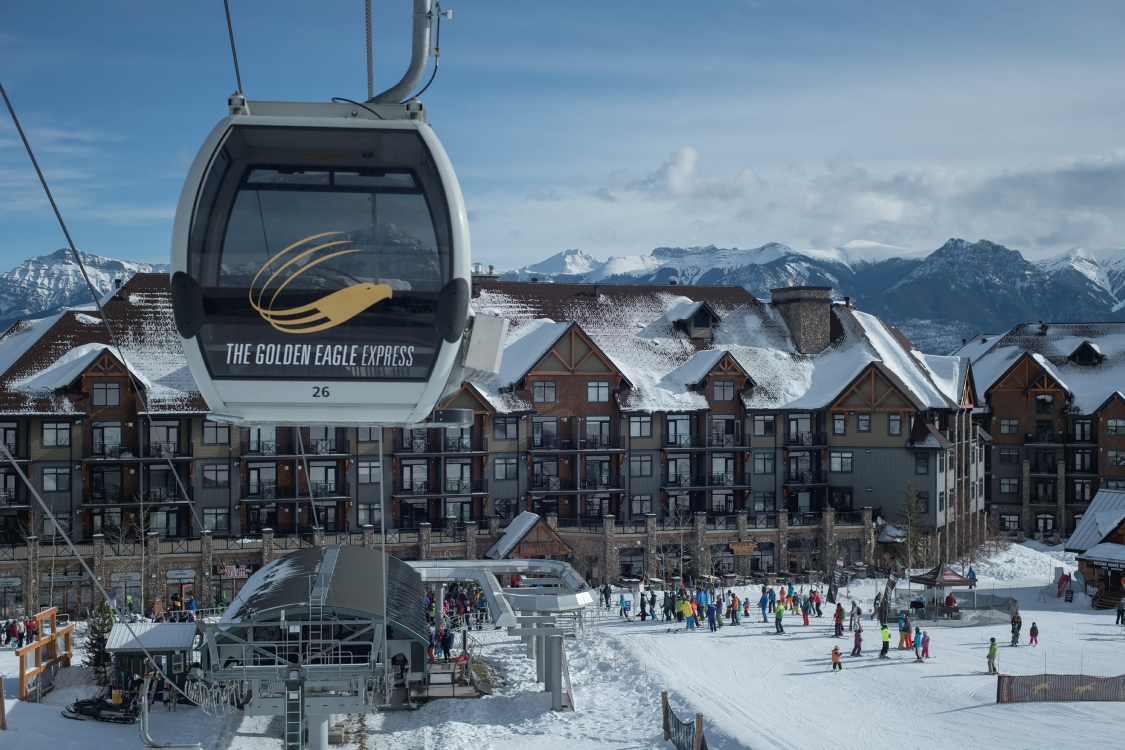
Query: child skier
x=993, y=648
x=1034, y=634
x=711, y=617
x=779, y=613
x=925, y=645
x=885, y=635
x=858, y=647
x=836, y=665
x=806, y=607
x=918, y=644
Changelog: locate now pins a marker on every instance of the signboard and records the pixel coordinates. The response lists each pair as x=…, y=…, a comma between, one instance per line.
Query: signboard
x=65, y=577
x=462, y=660
x=123, y=577
x=541, y=548
x=234, y=571
x=1069, y=596
x=743, y=549
x=181, y=575
x=9, y=582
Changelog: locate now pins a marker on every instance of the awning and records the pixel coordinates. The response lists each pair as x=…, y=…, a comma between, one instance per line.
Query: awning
x=943, y=577
x=1105, y=555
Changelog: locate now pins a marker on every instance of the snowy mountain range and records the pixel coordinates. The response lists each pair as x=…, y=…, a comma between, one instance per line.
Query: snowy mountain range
x=935, y=297
x=47, y=284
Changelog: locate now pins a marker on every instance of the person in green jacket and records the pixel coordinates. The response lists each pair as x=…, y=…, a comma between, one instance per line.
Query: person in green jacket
x=778, y=613
x=993, y=647
x=885, y=635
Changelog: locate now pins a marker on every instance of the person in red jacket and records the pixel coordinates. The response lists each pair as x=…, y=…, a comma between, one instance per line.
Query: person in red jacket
x=816, y=602
x=839, y=618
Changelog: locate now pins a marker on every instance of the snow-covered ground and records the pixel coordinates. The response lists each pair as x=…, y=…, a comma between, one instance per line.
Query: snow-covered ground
x=755, y=689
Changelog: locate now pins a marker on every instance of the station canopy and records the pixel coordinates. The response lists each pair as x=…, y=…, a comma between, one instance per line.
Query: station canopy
x=943, y=577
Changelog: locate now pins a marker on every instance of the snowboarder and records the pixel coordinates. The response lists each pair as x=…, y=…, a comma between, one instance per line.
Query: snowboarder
x=1034, y=634
x=918, y=644
x=652, y=604
x=925, y=645
x=836, y=665
x=857, y=649
x=644, y=608
x=993, y=647
x=885, y=634
x=779, y=613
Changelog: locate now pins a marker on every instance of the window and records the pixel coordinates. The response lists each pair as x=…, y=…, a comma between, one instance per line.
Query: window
x=840, y=461
x=543, y=391
x=763, y=425
x=1009, y=455
x=50, y=529
x=924, y=502
x=216, y=519
x=980, y=487
x=1115, y=458
x=1009, y=486
x=1009, y=522
x=863, y=423
x=1083, y=460
x=1044, y=404
x=894, y=424
x=724, y=390
x=764, y=502
x=640, y=466
x=1083, y=490
x=941, y=501
x=761, y=560
x=368, y=514
x=56, y=434
x=597, y=391
x=1115, y=427
x=368, y=472
x=56, y=479
x=216, y=433
x=216, y=475
x=640, y=426
x=505, y=467
x=921, y=463
x=1009, y=426
x=1115, y=484
x=763, y=463
x=1083, y=430
x=941, y=463
x=839, y=424
x=679, y=429
x=505, y=428
x=639, y=505
x=367, y=434
x=106, y=394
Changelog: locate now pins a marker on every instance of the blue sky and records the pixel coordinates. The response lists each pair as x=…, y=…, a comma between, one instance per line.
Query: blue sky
x=614, y=127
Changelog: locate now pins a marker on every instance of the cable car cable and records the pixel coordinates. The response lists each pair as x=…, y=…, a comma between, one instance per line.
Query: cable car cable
x=233, y=51
x=370, y=67
x=308, y=478
x=338, y=99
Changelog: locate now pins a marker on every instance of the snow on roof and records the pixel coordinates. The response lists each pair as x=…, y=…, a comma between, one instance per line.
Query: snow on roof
x=70, y=367
x=516, y=531
x=1104, y=552
x=633, y=325
x=1051, y=345
x=1097, y=520
x=155, y=636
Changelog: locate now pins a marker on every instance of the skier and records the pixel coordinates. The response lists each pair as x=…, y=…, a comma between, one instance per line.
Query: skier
x=993, y=647
x=1121, y=611
x=652, y=604
x=925, y=645
x=816, y=600
x=689, y=614
x=718, y=605
x=644, y=607
x=711, y=612
x=885, y=634
x=901, y=631
x=1017, y=623
x=918, y=644
x=778, y=614
x=1034, y=633
x=857, y=649
x=764, y=602
x=623, y=607
x=878, y=601
x=852, y=616
x=839, y=620
x=806, y=607
x=909, y=633
x=734, y=605
x=836, y=665
x=746, y=608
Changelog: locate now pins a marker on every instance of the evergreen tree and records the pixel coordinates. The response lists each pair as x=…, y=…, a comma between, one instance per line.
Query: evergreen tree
x=912, y=518
x=97, y=635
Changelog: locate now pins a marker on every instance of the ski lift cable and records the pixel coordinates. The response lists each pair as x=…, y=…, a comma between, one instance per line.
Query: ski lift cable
x=370, y=65
x=308, y=478
x=234, y=52
x=97, y=302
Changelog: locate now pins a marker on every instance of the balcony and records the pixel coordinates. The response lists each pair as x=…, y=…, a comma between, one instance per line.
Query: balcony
x=804, y=519
x=267, y=491
x=683, y=480
x=1049, y=467
x=685, y=441
x=728, y=479
x=762, y=521
x=464, y=444
x=728, y=441
x=1043, y=498
x=100, y=449
x=1091, y=469
x=849, y=518
x=415, y=446
x=551, y=484
x=807, y=438
x=465, y=487
x=326, y=447
x=269, y=448
x=595, y=482
x=1089, y=439
x=600, y=443
x=1042, y=438
x=548, y=443
x=109, y=497
x=14, y=449
x=806, y=476
x=166, y=495
x=168, y=450
x=417, y=487
x=13, y=497
x=328, y=489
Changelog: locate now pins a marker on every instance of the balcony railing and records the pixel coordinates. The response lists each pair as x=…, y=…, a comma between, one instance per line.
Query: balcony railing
x=169, y=450
x=464, y=444
x=1091, y=469
x=806, y=476
x=328, y=489
x=1043, y=498
x=685, y=441
x=326, y=446
x=762, y=521
x=416, y=445
x=417, y=487
x=727, y=441
x=600, y=443
x=100, y=449
x=551, y=484
x=269, y=448
x=1049, y=467
x=728, y=479
x=108, y=497
x=804, y=519
x=16, y=496
x=267, y=491
x=548, y=443
x=849, y=518
x=464, y=486
x=600, y=482
x=167, y=494
x=808, y=438
x=1041, y=438
x=13, y=448
x=630, y=526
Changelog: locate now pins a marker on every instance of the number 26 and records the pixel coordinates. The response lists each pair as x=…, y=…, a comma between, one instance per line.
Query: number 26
x=320, y=391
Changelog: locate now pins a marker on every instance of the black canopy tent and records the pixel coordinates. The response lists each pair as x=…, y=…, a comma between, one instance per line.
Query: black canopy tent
x=941, y=577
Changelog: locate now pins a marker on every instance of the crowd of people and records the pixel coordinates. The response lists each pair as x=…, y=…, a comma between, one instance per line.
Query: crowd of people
x=461, y=606
x=19, y=631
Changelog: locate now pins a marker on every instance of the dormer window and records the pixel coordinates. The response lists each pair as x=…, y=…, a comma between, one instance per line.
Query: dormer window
x=1086, y=354
x=701, y=324
x=106, y=394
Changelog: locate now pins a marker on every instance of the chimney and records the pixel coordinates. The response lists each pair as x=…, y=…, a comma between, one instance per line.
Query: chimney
x=964, y=341
x=807, y=311
x=491, y=270
x=535, y=278
x=847, y=301
x=672, y=282
x=117, y=283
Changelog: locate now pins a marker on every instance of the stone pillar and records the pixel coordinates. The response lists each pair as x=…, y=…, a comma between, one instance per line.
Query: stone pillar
x=153, y=573
x=471, y=540
x=494, y=526
x=609, y=534
x=1025, y=487
x=553, y=521
x=651, y=546
x=424, y=541
x=99, y=569
x=369, y=540
x=318, y=536
x=828, y=528
x=781, y=554
x=741, y=522
x=868, y=536
x=267, y=546
x=1060, y=496
x=206, y=596
x=701, y=550
x=31, y=582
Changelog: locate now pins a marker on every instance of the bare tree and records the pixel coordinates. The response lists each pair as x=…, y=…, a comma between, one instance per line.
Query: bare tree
x=585, y=553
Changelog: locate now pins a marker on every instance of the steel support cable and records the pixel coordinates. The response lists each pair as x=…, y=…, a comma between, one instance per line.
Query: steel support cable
x=308, y=479
x=233, y=51
x=97, y=302
x=370, y=66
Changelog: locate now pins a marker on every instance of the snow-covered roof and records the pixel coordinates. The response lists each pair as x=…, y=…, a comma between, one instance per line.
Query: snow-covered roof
x=1051, y=346
x=634, y=327
x=1105, y=513
x=1104, y=552
x=41, y=359
x=517, y=530
x=155, y=636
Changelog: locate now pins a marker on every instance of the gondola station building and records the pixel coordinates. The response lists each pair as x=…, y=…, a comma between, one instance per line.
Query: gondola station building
x=659, y=430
